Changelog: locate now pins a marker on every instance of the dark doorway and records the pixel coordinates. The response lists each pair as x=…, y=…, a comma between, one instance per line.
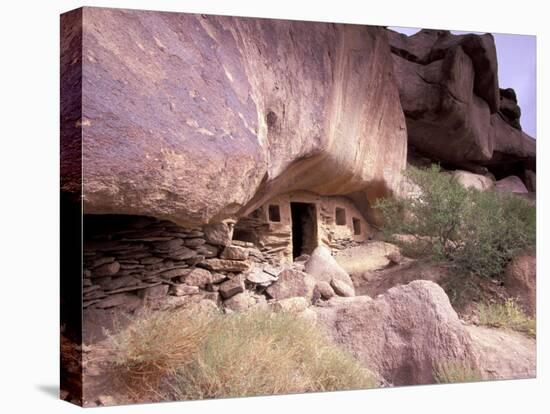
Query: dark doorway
x=356, y=226
x=304, y=228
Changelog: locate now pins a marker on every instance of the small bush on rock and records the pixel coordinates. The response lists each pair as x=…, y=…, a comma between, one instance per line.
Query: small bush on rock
x=477, y=232
x=506, y=315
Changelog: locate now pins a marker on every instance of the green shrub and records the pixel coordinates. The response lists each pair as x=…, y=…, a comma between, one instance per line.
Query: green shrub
x=476, y=232
x=506, y=315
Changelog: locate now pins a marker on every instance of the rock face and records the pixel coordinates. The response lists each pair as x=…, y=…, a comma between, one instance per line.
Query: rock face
x=341, y=288
x=219, y=233
x=471, y=180
x=504, y=354
x=400, y=334
x=455, y=112
x=231, y=287
x=509, y=108
x=325, y=290
x=511, y=184
x=521, y=280
x=196, y=118
x=292, y=283
x=323, y=267
x=531, y=181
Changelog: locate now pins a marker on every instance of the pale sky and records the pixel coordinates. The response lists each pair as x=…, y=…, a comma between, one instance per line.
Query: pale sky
x=516, y=69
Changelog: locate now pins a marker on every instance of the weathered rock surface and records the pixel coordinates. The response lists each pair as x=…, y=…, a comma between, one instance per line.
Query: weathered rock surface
x=257, y=275
x=219, y=233
x=183, y=289
x=124, y=300
x=531, y=181
x=225, y=265
x=292, y=283
x=325, y=290
x=341, y=288
x=323, y=267
x=231, y=287
x=154, y=292
x=234, y=253
x=198, y=277
x=448, y=86
x=196, y=118
x=508, y=108
x=400, y=334
x=521, y=281
x=511, y=184
x=471, y=180
x=290, y=305
x=107, y=269
x=504, y=354
x=109, y=283
x=239, y=302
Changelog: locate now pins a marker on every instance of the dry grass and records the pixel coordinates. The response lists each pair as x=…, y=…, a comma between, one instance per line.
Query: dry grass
x=455, y=371
x=261, y=353
x=506, y=315
x=189, y=355
x=154, y=346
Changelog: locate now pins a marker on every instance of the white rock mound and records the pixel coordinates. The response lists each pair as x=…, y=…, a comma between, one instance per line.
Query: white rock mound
x=323, y=267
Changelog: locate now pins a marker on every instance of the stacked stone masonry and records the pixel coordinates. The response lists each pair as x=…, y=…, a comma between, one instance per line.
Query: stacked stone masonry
x=139, y=259
x=131, y=261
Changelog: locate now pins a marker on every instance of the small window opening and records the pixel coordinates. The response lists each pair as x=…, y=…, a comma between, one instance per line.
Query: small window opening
x=356, y=226
x=274, y=213
x=245, y=235
x=340, y=216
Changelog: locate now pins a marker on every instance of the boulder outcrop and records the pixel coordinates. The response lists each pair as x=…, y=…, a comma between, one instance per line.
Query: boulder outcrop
x=292, y=283
x=401, y=334
x=471, y=180
x=455, y=111
x=323, y=267
x=504, y=354
x=511, y=184
x=521, y=280
x=196, y=118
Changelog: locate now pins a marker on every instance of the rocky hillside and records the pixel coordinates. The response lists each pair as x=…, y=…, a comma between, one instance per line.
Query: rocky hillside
x=455, y=112
x=189, y=123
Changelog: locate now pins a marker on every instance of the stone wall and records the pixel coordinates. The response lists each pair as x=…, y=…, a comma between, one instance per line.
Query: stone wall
x=132, y=260
x=274, y=238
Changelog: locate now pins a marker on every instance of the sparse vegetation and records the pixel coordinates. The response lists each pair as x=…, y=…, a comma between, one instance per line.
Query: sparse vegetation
x=454, y=371
x=154, y=346
x=506, y=315
x=187, y=355
x=476, y=232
